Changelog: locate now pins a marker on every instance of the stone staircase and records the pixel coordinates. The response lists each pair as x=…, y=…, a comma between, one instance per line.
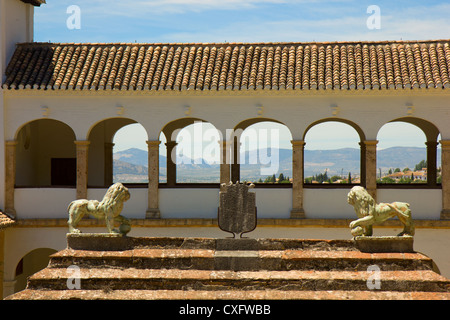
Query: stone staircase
x=114, y=267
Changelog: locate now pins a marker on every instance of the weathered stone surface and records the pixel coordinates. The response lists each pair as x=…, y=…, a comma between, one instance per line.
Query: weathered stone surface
x=385, y=244
x=237, y=244
x=199, y=268
x=98, y=241
x=237, y=209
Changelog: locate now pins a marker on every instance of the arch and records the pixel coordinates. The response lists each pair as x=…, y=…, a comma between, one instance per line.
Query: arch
x=330, y=170
x=190, y=142
x=358, y=129
x=429, y=129
x=113, y=124
x=26, y=124
x=177, y=124
x=248, y=122
x=101, y=150
x=45, y=154
x=31, y=263
x=429, y=174
x=264, y=153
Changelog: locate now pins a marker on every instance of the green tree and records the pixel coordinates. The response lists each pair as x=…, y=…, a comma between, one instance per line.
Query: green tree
x=422, y=164
x=309, y=180
x=335, y=178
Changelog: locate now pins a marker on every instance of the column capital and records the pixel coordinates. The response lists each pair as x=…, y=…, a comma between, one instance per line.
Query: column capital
x=171, y=144
x=153, y=143
x=370, y=143
x=225, y=142
x=445, y=144
x=298, y=143
x=82, y=143
x=11, y=143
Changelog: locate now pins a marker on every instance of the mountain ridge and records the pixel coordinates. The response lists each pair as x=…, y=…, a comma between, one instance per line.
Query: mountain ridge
x=261, y=163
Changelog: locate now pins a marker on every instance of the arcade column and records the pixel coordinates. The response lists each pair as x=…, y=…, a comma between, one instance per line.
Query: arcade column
x=153, y=180
x=82, y=149
x=297, y=179
x=10, y=177
x=445, y=172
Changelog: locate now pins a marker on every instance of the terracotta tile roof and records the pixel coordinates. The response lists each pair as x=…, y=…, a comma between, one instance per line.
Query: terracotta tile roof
x=36, y=3
x=230, y=66
x=5, y=221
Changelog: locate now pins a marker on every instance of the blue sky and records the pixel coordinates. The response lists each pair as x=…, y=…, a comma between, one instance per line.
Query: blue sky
x=241, y=20
x=182, y=21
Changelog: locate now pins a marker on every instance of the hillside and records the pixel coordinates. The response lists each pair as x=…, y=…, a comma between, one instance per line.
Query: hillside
x=131, y=164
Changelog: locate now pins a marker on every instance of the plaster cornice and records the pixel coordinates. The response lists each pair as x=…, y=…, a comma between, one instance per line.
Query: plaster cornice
x=288, y=93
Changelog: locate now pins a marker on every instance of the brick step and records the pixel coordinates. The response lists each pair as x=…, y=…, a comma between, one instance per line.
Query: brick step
x=213, y=280
x=237, y=295
x=205, y=259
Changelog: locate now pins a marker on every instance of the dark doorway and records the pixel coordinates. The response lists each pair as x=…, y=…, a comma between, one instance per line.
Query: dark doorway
x=64, y=172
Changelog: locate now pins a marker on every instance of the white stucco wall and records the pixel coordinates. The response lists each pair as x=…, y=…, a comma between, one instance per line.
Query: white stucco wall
x=370, y=112
x=424, y=203
x=34, y=203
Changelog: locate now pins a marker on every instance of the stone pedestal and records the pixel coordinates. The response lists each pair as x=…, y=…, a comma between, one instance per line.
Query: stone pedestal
x=98, y=241
x=384, y=244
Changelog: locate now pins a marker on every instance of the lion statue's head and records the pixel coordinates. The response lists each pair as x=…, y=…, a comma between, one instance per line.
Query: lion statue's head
x=361, y=200
x=115, y=196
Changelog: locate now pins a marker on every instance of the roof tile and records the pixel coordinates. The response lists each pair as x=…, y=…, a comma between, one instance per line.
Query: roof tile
x=230, y=66
x=5, y=221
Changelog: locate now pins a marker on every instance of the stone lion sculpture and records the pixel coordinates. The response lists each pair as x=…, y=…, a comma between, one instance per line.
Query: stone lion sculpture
x=369, y=213
x=109, y=209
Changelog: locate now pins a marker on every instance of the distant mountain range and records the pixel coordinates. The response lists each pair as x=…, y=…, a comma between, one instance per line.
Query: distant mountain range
x=131, y=165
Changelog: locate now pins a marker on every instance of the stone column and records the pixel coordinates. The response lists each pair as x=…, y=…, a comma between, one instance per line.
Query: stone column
x=153, y=180
x=225, y=167
x=10, y=177
x=235, y=166
x=171, y=163
x=297, y=179
x=431, y=162
x=82, y=149
x=445, y=172
x=109, y=161
x=362, y=175
x=371, y=167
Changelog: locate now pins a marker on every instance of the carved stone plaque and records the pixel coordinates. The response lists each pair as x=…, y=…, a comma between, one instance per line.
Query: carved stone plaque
x=237, y=209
